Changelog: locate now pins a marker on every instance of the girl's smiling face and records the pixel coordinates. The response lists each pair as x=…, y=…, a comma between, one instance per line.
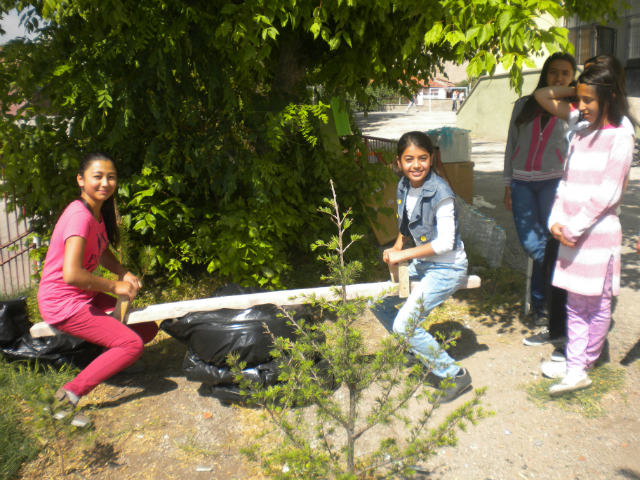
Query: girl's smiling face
x=415, y=164
x=99, y=181
x=560, y=73
x=588, y=103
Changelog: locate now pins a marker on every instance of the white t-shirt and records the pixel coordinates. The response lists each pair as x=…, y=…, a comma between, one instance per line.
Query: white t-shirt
x=445, y=241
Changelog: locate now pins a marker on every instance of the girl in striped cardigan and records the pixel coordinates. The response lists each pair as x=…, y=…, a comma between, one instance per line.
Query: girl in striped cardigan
x=583, y=217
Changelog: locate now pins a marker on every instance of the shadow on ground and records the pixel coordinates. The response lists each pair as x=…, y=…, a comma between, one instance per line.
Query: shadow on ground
x=628, y=473
x=466, y=346
x=632, y=355
x=163, y=359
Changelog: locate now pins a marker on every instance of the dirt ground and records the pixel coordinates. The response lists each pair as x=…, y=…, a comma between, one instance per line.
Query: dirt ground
x=156, y=425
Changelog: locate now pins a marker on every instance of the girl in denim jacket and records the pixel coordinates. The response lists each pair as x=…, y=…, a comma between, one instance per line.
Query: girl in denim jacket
x=427, y=214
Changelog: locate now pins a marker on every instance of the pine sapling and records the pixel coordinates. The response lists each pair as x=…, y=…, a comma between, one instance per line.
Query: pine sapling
x=314, y=431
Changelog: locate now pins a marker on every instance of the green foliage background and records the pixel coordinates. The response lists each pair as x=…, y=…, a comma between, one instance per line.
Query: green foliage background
x=206, y=104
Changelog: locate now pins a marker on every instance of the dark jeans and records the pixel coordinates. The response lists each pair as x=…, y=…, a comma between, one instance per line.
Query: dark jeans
x=532, y=202
x=556, y=297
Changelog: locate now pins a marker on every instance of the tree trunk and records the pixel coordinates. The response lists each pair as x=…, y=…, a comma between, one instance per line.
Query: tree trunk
x=290, y=68
x=351, y=431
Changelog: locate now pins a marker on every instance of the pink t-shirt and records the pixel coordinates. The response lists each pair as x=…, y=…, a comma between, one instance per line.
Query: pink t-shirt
x=57, y=300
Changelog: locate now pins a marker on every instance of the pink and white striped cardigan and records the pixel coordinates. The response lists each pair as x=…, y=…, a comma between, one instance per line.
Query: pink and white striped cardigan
x=585, y=204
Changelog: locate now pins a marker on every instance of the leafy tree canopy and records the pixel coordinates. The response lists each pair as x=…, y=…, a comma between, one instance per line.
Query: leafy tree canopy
x=207, y=106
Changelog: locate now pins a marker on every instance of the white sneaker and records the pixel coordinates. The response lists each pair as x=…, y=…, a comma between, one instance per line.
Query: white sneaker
x=572, y=382
x=554, y=369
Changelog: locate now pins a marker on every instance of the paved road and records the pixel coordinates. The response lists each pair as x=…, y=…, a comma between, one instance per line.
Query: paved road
x=392, y=125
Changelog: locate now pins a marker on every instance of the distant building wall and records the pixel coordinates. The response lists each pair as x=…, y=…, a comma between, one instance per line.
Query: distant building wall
x=620, y=38
x=487, y=110
x=437, y=105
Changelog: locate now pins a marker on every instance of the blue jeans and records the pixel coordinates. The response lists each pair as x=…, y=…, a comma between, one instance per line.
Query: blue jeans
x=438, y=281
x=532, y=202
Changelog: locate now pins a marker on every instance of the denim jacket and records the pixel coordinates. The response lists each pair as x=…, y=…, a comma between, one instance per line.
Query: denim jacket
x=422, y=224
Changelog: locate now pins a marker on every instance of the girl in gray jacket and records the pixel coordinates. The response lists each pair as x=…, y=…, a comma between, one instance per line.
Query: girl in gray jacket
x=533, y=166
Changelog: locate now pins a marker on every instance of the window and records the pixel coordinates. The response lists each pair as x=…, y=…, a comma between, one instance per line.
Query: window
x=592, y=40
x=633, y=42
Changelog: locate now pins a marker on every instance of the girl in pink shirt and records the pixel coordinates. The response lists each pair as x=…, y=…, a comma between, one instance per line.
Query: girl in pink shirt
x=73, y=300
x=583, y=217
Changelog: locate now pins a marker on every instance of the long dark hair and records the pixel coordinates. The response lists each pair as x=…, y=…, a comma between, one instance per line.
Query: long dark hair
x=108, y=209
x=610, y=97
x=617, y=69
x=531, y=108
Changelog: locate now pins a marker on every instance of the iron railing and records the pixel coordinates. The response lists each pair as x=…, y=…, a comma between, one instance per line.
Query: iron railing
x=16, y=267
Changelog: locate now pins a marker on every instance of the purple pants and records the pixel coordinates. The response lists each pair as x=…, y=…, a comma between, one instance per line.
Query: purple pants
x=588, y=320
x=123, y=344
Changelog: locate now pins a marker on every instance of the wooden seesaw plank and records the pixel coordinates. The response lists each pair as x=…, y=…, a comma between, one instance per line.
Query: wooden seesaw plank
x=163, y=311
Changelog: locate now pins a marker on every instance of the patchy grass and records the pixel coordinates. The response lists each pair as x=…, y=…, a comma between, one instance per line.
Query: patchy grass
x=606, y=379
x=20, y=385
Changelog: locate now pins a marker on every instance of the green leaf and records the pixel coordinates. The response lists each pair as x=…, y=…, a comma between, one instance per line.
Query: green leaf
x=229, y=8
x=475, y=67
x=507, y=61
x=315, y=29
x=530, y=63
x=347, y=38
x=472, y=32
x=151, y=220
x=454, y=37
x=334, y=42
x=489, y=61
x=434, y=35
x=504, y=19
x=485, y=33
x=62, y=69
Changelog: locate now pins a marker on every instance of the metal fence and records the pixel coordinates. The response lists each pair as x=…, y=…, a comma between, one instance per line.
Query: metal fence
x=384, y=150
x=14, y=249
x=377, y=149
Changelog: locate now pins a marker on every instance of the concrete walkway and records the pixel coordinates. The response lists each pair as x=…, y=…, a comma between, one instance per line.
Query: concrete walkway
x=393, y=125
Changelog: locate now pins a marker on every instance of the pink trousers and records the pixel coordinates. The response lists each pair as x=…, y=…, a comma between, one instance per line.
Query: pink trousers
x=123, y=344
x=588, y=320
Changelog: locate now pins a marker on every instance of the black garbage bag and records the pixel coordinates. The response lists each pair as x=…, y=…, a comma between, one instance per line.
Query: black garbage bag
x=14, y=320
x=235, y=289
x=212, y=336
x=56, y=350
x=195, y=370
x=230, y=393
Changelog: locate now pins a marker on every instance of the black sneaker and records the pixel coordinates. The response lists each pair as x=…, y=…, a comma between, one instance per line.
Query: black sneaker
x=540, y=316
x=559, y=354
x=461, y=383
x=411, y=359
x=543, y=338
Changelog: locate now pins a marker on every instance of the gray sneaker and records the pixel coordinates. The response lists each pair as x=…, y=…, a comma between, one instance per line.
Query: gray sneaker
x=67, y=402
x=558, y=354
x=461, y=383
x=543, y=338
